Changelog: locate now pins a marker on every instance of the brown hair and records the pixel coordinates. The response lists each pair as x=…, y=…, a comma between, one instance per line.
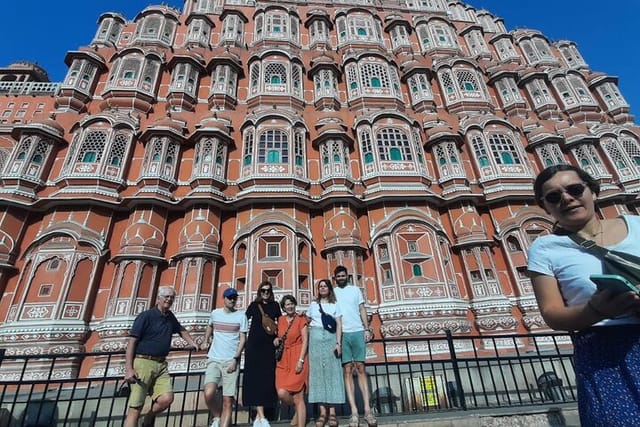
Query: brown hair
x=331, y=297
x=259, y=294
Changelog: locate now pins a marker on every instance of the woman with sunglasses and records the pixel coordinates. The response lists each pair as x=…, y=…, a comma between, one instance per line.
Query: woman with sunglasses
x=292, y=370
x=258, y=381
x=607, y=342
x=326, y=383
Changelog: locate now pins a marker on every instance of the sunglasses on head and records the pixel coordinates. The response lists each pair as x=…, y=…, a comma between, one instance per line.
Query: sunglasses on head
x=574, y=190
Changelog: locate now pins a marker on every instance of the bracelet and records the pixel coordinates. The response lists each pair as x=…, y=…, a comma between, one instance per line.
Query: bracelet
x=236, y=358
x=595, y=310
x=301, y=361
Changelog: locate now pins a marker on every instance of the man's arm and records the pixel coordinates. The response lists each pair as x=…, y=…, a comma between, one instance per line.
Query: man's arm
x=368, y=335
x=187, y=337
x=208, y=336
x=129, y=372
x=236, y=358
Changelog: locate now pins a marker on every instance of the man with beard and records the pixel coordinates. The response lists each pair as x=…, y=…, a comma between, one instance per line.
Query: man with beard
x=355, y=335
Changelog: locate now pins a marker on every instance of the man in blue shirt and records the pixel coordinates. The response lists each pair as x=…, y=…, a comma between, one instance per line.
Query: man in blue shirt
x=145, y=361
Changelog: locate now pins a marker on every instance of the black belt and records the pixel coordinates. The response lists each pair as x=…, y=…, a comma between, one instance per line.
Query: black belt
x=154, y=358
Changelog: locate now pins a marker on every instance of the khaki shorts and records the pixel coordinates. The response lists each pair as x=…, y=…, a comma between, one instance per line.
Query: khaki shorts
x=217, y=374
x=154, y=380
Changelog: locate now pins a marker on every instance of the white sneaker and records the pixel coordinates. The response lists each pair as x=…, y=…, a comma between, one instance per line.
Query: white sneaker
x=265, y=422
x=215, y=422
x=257, y=422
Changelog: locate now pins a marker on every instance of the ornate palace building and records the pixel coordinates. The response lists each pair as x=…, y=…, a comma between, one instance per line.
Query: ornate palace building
x=238, y=141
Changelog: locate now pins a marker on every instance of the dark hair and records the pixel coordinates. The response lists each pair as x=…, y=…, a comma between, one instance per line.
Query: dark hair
x=549, y=172
x=332, y=296
x=339, y=269
x=288, y=298
x=259, y=294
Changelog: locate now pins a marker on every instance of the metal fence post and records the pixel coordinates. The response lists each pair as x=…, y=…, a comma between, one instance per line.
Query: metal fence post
x=456, y=370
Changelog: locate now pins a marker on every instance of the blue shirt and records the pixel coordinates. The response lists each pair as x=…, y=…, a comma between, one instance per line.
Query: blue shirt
x=154, y=331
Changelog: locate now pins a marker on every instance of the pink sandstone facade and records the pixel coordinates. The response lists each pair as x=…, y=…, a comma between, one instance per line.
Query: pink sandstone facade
x=234, y=142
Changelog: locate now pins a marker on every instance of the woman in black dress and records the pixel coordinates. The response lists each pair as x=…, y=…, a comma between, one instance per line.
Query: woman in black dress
x=258, y=382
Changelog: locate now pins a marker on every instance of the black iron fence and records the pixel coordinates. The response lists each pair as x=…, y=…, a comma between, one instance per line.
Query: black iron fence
x=450, y=373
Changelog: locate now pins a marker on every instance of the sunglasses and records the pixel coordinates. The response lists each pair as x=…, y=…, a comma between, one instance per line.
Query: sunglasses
x=574, y=190
x=265, y=290
x=232, y=298
x=168, y=296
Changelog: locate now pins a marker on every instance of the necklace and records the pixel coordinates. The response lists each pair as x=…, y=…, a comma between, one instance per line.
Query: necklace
x=597, y=233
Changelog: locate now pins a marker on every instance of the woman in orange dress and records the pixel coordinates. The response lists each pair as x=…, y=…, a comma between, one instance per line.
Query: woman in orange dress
x=292, y=371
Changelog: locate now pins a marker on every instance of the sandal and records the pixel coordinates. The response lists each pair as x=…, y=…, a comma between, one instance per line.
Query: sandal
x=321, y=421
x=354, y=421
x=333, y=420
x=294, y=419
x=370, y=419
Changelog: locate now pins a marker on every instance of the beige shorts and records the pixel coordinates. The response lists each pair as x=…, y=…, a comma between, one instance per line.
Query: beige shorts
x=217, y=374
x=154, y=380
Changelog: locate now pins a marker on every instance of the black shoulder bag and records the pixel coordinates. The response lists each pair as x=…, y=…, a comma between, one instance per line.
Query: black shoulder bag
x=328, y=321
x=613, y=262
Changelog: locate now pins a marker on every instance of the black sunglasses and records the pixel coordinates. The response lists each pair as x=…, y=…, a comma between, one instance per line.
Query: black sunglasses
x=574, y=190
x=265, y=290
x=232, y=298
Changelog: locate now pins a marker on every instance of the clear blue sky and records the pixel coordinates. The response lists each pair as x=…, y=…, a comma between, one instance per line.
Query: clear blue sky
x=43, y=31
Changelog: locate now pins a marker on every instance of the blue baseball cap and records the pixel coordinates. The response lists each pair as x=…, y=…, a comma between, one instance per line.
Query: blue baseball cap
x=230, y=293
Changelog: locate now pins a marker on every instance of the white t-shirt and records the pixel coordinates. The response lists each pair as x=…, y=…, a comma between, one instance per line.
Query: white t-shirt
x=571, y=265
x=227, y=327
x=349, y=299
x=313, y=312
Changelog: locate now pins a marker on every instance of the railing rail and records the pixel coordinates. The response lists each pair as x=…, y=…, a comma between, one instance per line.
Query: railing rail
x=413, y=375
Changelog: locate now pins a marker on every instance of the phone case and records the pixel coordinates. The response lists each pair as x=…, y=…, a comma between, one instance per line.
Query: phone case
x=614, y=283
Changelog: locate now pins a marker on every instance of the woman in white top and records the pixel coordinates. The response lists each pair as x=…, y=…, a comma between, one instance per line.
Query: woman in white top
x=607, y=344
x=326, y=385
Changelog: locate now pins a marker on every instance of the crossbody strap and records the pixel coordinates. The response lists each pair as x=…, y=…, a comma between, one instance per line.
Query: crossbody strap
x=321, y=310
x=284, y=337
x=589, y=245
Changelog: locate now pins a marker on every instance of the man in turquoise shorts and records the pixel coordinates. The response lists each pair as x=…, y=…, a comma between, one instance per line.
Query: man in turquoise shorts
x=355, y=334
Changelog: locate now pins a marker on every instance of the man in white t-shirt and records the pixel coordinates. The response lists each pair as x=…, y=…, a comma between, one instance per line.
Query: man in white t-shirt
x=355, y=335
x=229, y=329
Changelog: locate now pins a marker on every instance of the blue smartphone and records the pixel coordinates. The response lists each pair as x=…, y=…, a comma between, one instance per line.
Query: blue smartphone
x=614, y=283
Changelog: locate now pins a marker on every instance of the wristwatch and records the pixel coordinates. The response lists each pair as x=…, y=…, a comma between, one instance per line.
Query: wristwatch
x=236, y=358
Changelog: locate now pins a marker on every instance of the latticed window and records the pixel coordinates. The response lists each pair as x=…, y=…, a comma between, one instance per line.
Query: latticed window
x=611, y=96
x=458, y=13
x=299, y=149
x=572, y=56
x=325, y=84
x=28, y=157
x=273, y=147
x=504, y=150
x=432, y=5
x=488, y=24
x=155, y=28
x=161, y=157
x=419, y=88
x=199, y=31
x=80, y=75
x=233, y=28
x=508, y=91
x=108, y=31
x=372, y=77
x=400, y=36
x=210, y=158
x=248, y=148
x=92, y=148
x=580, y=88
x=358, y=28
x=624, y=154
x=335, y=159
x=4, y=155
x=480, y=151
x=276, y=25
x=205, y=6
x=461, y=84
x=632, y=150
x=550, y=154
x=442, y=35
x=506, y=50
x=536, y=50
x=424, y=36
x=224, y=80
x=277, y=78
x=118, y=150
x=589, y=160
x=184, y=79
x=134, y=72
x=367, y=147
x=393, y=144
x=475, y=42
x=539, y=93
x=318, y=31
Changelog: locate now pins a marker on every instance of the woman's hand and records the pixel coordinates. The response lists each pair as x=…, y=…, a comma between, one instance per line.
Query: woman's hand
x=276, y=341
x=299, y=366
x=610, y=306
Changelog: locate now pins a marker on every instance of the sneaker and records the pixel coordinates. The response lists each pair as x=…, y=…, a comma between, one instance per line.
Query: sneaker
x=215, y=422
x=257, y=422
x=264, y=423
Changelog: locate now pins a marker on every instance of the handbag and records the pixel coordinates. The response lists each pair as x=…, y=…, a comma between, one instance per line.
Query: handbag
x=280, y=348
x=328, y=321
x=268, y=324
x=613, y=262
